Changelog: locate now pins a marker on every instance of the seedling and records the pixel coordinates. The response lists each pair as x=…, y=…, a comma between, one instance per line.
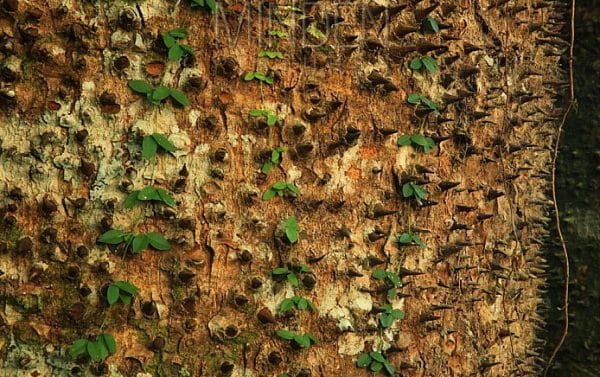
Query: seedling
x=296, y=302
x=210, y=4
x=413, y=190
x=424, y=63
x=292, y=229
x=429, y=24
x=270, y=116
x=392, y=280
x=121, y=290
x=254, y=75
x=277, y=33
x=135, y=242
x=417, y=141
x=376, y=362
x=276, y=157
x=148, y=194
x=156, y=95
x=302, y=340
x=270, y=55
x=280, y=188
x=389, y=315
x=176, y=49
x=151, y=144
x=98, y=349
x=418, y=99
x=409, y=238
x=291, y=274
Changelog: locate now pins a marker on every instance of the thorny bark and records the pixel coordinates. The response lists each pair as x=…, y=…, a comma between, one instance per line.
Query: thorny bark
x=470, y=297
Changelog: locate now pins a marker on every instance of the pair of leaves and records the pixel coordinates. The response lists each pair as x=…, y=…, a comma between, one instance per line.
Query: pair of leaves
x=424, y=62
x=122, y=290
x=419, y=99
x=149, y=193
x=417, y=140
x=429, y=24
x=409, y=238
x=176, y=49
x=151, y=143
x=98, y=349
x=254, y=75
x=271, y=54
x=376, y=362
x=411, y=189
x=210, y=4
x=290, y=275
x=276, y=157
x=157, y=95
x=392, y=279
x=303, y=340
x=137, y=242
x=272, y=118
x=297, y=302
x=389, y=315
x=279, y=189
x=277, y=33
x=292, y=229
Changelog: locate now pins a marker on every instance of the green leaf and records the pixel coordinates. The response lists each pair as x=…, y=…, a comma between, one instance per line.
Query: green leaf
x=212, y=5
x=363, y=360
x=280, y=185
x=149, y=147
x=392, y=293
x=419, y=140
x=256, y=113
x=393, y=278
x=292, y=229
x=304, y=268
x=397, y=314
x=377, y=356
x=268, y=80
x=414, y=98
x=429, y=103
x=139, y=86
x=429, y=24
x=131, y=200
x=165, y=197
x=386, y=320
x=140, y=242
x=429, y=63
x=168, y=40
x=416, y=239
x=78, y=348
x=379, y=274
x=405, y=238
x=178, y=33
x=127, y=287
x=109, y=342
x=302, y=340
x=160, y=93
x=175, y=52
x=125, y=299
x=285, y=334
x=293, y=279
x=286, y=305
x=112, y=294
x=416, y=64
x=249, y=76
x=389, y=368
x=148, y=193
x=419, y=192
x=272, y=119
x=96, y=350
x=404, y=140
x=407, y=190
x=293, y=189
x=302, y=304
x=269, y=194
x=187, y=49
x=179, y=97
x=267, y=166
x=164, y=143
x=280, y=271
x=112, y=237
x=158, y=241
x=376, y=366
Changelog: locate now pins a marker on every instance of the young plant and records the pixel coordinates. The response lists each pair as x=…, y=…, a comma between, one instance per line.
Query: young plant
x=271, y=117
x=429, y=24
x=376, y=362
x=209, y=4
x=121, y=290
x=424, y=63
x=276, y=157
x=409, y=238
x=302, y=340
x=389, y=315
x=99, y=349
x=291, y=274
x=148, y=194
x=176, y=49
x=292, y=229
x=416, y=141
x=135, y=242
x=271, y=54
x=156, y=95
x=418, y=99
x=254, y=75
x=296, y=302
x=392, y=280
x=277, y=33
x=279, y=189
x=413, y=190
x=151, y=144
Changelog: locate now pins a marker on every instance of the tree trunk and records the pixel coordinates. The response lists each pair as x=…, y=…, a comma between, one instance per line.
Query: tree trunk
x=355, y=111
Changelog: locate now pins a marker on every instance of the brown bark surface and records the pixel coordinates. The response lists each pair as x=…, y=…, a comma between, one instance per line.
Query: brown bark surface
x=470, y=297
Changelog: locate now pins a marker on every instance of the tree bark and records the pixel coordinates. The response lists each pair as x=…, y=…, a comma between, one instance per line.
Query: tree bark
x=71, y=152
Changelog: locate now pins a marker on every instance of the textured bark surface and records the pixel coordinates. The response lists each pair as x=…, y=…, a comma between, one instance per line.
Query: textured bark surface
x=470, y=296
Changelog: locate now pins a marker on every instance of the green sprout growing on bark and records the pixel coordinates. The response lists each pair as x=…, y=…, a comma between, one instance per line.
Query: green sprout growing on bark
x=259, y=76
x=375, y=362
x=152, y=143
x=392, y=281
x=176, y=49
x=419, y=99
x=301, y=340
x=413, y=190
x=426, y=63
x=296, y=302
x=429, y=24
x=275, y=159
x=148, y=194
x=271, y=54
x=409, y=238
x=156, y=95
x=121, y=290
x=291, y=275
x=279, y=189
x=417, y=141
x=98, y=349
x=389, y=315
x=292, y=229
x=135, y=242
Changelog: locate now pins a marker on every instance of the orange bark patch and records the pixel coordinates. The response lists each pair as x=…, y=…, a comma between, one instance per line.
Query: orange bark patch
x=353, y=173
x=369, y=153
